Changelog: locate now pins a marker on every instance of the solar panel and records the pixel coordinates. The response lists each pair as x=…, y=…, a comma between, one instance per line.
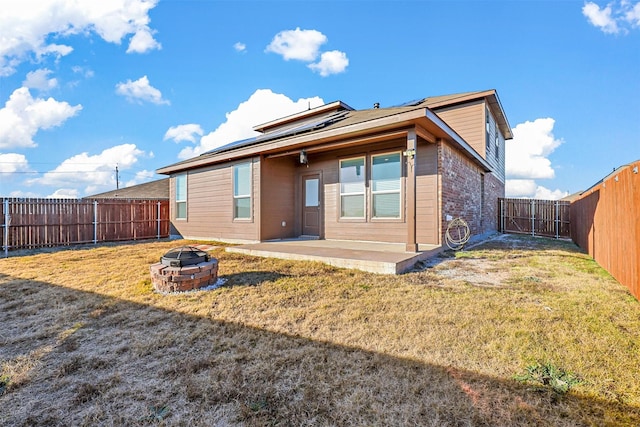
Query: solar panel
x=300, y=128
x=411, y=103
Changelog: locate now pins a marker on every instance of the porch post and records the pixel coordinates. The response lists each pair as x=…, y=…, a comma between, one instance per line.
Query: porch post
x=410, y=154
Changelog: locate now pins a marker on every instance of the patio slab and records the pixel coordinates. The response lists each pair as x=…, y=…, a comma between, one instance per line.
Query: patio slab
x=375, y=257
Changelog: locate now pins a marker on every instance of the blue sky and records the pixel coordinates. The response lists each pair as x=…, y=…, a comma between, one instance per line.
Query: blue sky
x=86, y=86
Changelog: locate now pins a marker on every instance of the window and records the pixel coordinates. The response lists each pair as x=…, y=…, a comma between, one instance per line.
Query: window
x=352, y=188
x=181, y=196
x=242, y=191
x=386, y=172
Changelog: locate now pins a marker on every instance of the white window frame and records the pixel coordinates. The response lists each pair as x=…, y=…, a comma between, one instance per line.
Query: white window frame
x=379, y=192
x=181, y=201
x=362, y=193
x=237, y=197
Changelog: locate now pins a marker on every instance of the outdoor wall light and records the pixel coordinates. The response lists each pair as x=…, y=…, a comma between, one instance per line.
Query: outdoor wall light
x=635, y=170
x=409, y=153
x=303, y=157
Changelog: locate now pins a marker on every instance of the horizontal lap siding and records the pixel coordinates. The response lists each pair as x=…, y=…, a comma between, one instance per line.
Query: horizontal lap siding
x=370, y=230
x=468, y=122
x=210, y=206
x=278, y=198
x=427, y=195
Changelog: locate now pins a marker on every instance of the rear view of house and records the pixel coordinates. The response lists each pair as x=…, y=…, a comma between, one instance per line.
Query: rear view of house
x=395, y=175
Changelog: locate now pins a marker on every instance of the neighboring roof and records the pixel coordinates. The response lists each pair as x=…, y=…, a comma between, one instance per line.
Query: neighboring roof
x=338, y=120
x=158, y=189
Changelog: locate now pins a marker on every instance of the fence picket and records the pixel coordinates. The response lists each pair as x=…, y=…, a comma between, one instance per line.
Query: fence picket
x=34, y=223
x=536, y=217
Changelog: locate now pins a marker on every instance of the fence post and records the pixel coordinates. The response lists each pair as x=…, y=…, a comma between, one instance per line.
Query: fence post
x=7, y=220
x=533, y=218
x=95, y=222
x=158, y=220
x=557, y=210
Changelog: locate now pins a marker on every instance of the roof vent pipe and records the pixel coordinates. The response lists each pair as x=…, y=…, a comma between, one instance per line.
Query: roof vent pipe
x=376, y=105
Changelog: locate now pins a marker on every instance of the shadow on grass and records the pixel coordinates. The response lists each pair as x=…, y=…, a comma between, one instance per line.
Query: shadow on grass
x=80, y=358
x=251, y=278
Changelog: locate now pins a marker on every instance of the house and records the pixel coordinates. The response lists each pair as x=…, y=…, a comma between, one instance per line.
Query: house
x=156, y=190
x=395, y=175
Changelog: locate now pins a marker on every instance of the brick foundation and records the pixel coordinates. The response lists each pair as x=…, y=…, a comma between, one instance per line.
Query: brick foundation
x=179, y=279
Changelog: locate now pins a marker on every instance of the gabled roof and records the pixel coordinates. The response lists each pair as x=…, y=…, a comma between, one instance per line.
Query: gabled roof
x=337, y=121
x=158, y=189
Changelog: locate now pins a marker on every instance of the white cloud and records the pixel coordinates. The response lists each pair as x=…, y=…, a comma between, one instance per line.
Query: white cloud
x=64, y=193
x=26, y=26
x=240, y=47
x=23, y=116
x=143, y=41
x=544, y=193
x=528, y=188
x=262, y=106
x=39, y=79
x=633, y=15
x=527, y=160
x=13, y=162
x=86, y=72
x=95, y=173
x=298, y=44
x=332, y=62
x=139, y=91
x=616, y=17
x=139, y=178
x=183, y=133
x=527, y=152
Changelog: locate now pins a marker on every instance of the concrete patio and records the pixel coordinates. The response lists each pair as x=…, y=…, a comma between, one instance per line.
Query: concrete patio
x=375, y=257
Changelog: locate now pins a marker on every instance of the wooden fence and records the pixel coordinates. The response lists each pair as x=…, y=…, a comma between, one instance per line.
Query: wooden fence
x=549, y=218
x=35, y=223
x=606, y=224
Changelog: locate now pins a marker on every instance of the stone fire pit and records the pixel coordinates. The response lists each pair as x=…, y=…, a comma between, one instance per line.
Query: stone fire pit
x=184, y=269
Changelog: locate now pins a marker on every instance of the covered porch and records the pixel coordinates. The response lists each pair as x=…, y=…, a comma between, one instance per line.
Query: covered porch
x=375, y=257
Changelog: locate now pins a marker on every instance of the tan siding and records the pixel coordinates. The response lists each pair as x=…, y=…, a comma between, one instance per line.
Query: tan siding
x=393, y=231
x=278, y=198
x=210, y=206
x=468, y=122
x=427, y=223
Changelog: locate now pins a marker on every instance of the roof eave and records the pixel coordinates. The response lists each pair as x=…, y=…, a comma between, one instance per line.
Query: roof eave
x=377, y=125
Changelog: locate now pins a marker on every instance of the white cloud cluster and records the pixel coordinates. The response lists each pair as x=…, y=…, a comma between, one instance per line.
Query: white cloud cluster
x=186, y=132
x=12, y=163
x=304, y=45
x=527, y=159
x=95, y=172
x=28, y=27
x=615, y=18
x=262, y=106
x=240, y=47
x=39, y=79
x=23, y=116
x=140, y=91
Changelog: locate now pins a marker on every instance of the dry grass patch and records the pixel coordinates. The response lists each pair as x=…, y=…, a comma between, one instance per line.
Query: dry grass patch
x=86, y=341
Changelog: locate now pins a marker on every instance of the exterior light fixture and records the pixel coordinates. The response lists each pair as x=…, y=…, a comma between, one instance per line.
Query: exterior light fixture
x=303, y=158
x=409, y=153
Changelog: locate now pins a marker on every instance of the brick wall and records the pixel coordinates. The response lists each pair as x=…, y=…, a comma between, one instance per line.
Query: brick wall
x=493, y=189
x=461, y=189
